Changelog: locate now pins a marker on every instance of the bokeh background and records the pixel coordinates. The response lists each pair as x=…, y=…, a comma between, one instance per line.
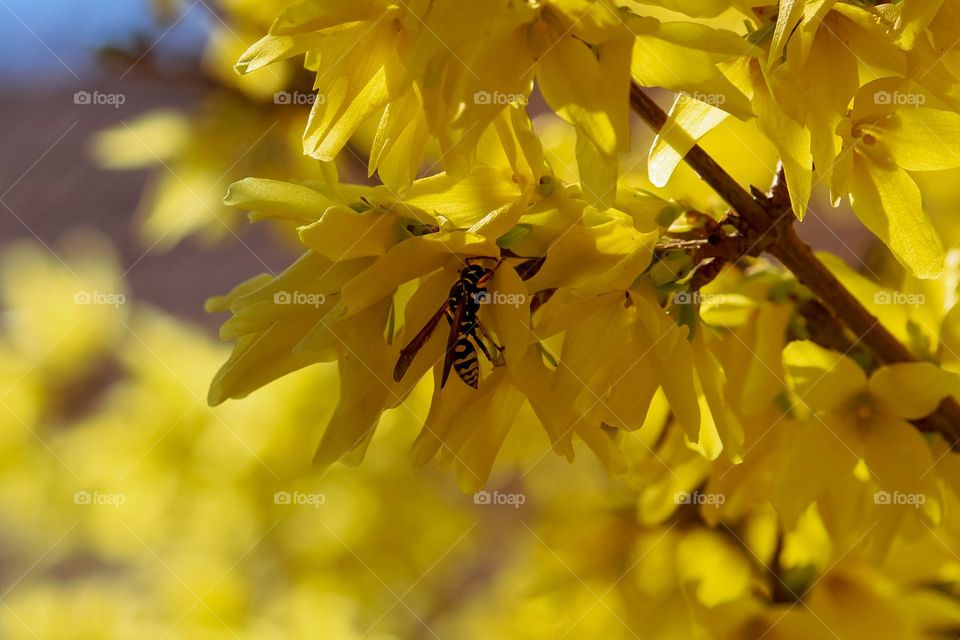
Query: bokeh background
x=51, y=181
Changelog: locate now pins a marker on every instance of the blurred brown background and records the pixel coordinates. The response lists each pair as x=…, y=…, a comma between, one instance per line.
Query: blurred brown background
x=50, y=185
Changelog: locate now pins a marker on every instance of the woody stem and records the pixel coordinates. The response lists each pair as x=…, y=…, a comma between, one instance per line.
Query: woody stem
x=770, y=219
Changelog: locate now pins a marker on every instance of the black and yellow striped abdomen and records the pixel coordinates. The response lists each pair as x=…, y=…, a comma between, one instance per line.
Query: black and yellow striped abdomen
x=465, y=362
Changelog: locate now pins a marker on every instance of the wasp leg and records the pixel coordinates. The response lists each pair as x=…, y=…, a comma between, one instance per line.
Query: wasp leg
x=500, y=348
x=489, y=275
x=482, y=346
x=486, y=334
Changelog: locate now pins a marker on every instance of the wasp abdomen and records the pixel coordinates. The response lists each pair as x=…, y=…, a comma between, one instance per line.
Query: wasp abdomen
x=465, y=361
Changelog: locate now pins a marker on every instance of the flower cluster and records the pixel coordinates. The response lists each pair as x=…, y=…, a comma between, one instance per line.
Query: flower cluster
x=604, y=303
x=524, y=266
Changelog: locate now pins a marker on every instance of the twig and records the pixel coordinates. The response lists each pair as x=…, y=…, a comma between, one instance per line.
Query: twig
x=769, y=220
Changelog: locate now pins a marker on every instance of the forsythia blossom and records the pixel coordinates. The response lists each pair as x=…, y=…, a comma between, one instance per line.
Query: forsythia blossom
x=513, y=269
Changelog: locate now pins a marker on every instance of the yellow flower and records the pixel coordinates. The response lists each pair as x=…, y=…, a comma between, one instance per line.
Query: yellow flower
x=196, y=158
x=430, y=73
x=884, y=138
x=861, y=419
x=383, y=262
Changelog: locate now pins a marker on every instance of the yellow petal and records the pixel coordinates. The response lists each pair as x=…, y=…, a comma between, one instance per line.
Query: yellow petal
x=270, y=48
x=598, y=173
x=765, y=379
x=410, y=259
x=462, y=200
x=823, y=379
x=827, y=72
x=899, y=457
x=712, y=381
x=888, y=202
x=572, y=81
x=718, y=570
x=499, y=221
x=690, y=119
x=586, y=351
x=692, y=8
x=279, y=199
x=633, y=385
x=788, y=17
x=399, y=143
x=486, y=428
x=262, y=357
x=343, y=234
x=921, y=139
x=219, y=304
x=365, y=366
x=791, y=139
x=818, y=459
x=913, y=19
x=509, y=314
x=535, y=381
x=913, y=389
x=593, y=21
x=673, y=360
x=306, y=15
x=363, y=75
x=310, y=285
x=682, y=56
x=858, y=607
x=601, y=253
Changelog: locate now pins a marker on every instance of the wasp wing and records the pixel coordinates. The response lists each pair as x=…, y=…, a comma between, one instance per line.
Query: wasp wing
x=409, y=352
x=452, y=338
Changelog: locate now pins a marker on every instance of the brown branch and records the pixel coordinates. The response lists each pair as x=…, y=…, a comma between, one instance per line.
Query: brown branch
x=823, y=327
x=769, y=221
x=712, y=173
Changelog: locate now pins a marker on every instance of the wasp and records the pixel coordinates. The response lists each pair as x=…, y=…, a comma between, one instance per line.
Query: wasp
x=461, y=310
